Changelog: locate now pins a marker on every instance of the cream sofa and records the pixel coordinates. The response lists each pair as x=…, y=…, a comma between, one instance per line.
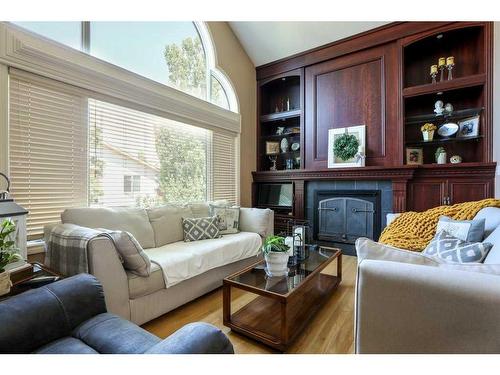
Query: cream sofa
x=418, y=308
x=159, y=232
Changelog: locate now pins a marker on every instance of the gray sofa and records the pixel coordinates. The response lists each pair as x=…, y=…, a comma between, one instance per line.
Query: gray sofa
x=70, y=317
x=158, y=230
x=416, y=308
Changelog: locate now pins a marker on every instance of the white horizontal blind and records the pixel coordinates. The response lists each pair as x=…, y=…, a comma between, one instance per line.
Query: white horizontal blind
x=224, y=164
x=140, y=159
x=47, y=149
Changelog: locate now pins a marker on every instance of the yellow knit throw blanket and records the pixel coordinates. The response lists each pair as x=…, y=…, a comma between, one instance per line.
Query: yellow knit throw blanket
x=414, y=230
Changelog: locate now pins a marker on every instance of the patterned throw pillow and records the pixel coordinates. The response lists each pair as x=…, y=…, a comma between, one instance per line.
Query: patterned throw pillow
x=228, y=218
x=465, y=230
x=202, y=228
x=452, y=249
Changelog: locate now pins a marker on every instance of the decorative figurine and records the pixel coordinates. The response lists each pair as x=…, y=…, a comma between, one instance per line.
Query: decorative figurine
x=448, y=108
x=287, y=104
x=284, y=145
x=360, y=156
x=440, y=155
x=280, y=130
x=438, y=108
x=273, y=159
x=434, y=72
x=456, y=159
x=441, y=65
x=289, y=163
x=450, y=63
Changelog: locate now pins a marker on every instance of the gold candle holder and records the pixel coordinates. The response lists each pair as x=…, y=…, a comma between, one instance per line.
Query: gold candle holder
x=434, y=70
x=450, y=63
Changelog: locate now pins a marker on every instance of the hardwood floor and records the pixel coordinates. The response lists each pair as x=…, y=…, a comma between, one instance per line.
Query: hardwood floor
x=330, y=331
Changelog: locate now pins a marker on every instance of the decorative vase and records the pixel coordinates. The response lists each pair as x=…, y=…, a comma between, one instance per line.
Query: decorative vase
x=284, y=145
x=428, y=135
x=276, y=263
x=441, y=158
x=5, y=283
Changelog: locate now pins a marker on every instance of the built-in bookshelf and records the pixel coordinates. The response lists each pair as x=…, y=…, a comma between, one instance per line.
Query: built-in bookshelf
x=280, y=126
x=467, y=92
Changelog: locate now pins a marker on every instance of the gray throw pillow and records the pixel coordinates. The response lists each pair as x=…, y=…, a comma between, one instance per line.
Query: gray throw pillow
x=454, y=250
x=228, y=218
x=202, y=228
x=133, y=256
x=466, y=230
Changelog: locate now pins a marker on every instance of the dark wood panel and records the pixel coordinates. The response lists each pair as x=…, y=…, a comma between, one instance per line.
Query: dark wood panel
x=425, y=194
x=352, y=91
x=460, y=190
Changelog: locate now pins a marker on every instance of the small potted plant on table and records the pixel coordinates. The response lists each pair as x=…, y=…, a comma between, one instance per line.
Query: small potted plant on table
x=428, y=131
x=8, y=254
x=276, y=255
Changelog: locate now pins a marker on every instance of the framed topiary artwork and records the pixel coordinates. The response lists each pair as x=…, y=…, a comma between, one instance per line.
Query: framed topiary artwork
x=346, y=147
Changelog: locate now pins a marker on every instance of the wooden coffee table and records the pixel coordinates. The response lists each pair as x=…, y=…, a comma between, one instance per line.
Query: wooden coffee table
x=282, y=306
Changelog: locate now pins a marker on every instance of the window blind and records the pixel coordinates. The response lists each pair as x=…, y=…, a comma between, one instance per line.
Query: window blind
x=47, y=148
x=224, y=172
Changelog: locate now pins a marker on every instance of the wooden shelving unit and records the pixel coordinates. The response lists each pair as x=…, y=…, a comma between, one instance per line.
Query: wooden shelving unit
x=467, y=91
x=280, y=115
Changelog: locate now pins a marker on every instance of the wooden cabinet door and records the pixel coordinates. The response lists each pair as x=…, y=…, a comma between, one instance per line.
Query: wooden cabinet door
x=469, y=190
x=425, y=194
x=356, y=89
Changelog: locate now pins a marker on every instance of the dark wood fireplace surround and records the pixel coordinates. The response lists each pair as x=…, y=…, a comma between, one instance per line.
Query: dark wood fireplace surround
x=380, y=78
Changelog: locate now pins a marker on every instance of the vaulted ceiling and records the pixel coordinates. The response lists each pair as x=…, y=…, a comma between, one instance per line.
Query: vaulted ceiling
x=269, y=41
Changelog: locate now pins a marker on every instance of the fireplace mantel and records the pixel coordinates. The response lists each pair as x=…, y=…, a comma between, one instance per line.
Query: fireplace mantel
x=400, y=176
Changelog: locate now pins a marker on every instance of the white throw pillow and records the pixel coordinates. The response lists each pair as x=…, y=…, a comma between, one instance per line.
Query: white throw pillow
x=228, y=218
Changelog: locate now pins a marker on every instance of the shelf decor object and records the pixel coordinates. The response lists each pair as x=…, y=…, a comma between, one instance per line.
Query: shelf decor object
x=346, y=147
x=441, y=155
x=450, y=63
x=272, y=148
x=414, y=156
x=441, y=65
x=428, y=131
x=434, y=72
x=469, y=127
x=448, y=130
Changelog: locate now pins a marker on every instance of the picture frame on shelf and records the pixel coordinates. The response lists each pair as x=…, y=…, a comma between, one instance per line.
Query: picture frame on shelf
x=358, y=156
x=469, y=127
x=272, y=148
x=414, y=156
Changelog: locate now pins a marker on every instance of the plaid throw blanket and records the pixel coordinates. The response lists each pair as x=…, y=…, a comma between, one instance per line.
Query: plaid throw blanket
x=66, y=250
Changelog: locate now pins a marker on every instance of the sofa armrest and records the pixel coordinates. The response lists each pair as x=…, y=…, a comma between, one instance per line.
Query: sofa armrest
x=194, y=338
x=257, y=220
x=407, y=308
x=105, y=264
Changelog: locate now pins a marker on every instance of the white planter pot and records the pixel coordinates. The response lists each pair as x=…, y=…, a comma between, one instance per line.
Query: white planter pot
x=276, y=263
x=5, y=283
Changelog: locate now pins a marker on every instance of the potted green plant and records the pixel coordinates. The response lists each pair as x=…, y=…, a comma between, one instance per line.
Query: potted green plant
x=276, y=255
x=8, y=254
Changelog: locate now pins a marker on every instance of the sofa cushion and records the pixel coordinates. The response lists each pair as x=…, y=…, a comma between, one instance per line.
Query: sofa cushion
x=369, y=249
x=182, y=260
x=201, y=209
x=110, y=334
x=255, y=220
x=202, y=228
x=493, y=256
x=66, y=345
x=141, y=286
x=133, y=220
x=133, y=256
x=452, y=249
x=167, y=223
x=465, y=230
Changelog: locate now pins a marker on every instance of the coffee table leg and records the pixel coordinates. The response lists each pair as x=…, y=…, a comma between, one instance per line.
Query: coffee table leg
x=226, y=303
x=284, y=326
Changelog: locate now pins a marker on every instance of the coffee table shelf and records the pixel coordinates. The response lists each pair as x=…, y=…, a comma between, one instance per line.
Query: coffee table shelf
x=284, y=305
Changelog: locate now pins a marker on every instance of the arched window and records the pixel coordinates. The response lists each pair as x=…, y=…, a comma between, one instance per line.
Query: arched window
x=176, y=54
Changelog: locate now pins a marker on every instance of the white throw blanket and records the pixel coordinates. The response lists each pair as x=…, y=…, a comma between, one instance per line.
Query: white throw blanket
x=180, y=261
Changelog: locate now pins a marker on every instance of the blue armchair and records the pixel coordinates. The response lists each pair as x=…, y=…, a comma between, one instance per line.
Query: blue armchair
x=70, y=317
